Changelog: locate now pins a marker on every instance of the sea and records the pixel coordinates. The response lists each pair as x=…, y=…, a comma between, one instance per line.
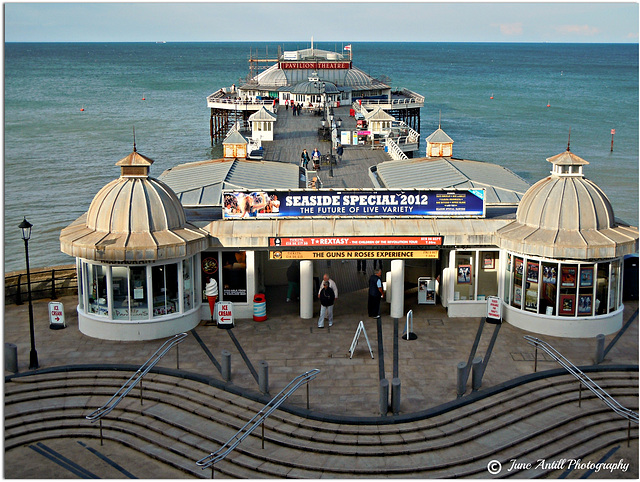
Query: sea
x=70, y=110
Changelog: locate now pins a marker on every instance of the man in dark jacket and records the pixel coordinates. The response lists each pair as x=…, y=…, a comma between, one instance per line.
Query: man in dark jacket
x=327, y=298
x=375, y=294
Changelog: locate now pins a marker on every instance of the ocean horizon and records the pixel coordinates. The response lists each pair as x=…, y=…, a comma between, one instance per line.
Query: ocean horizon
x=70, y=111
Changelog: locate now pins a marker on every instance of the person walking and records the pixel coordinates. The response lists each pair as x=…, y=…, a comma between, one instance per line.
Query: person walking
x=304, y=159
x=211, y=291
x=327, y=298
x=339, y=152
x=293, y=277
x=375, y=294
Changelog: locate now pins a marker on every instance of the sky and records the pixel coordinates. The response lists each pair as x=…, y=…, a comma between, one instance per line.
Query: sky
x=370, y=20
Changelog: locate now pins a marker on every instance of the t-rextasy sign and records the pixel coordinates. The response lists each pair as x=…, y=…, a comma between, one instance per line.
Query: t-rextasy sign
x=359, y=203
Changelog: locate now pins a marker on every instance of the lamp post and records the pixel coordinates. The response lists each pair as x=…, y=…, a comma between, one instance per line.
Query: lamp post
x=330, y=144
x=25, y=226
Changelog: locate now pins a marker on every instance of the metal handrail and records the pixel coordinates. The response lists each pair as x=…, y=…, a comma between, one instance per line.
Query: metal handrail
x=611, y=402
x=135, y=378
x=257, y=419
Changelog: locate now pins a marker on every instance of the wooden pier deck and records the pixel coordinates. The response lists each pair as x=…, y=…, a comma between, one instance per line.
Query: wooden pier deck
x=292, y=134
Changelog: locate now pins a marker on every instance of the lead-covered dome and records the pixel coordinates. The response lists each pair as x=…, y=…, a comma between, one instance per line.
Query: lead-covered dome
x=133, y=218
x=567, y=216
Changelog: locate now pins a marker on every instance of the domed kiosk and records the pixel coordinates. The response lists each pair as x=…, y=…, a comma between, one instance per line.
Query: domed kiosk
x=136, y=259
x=564, y=256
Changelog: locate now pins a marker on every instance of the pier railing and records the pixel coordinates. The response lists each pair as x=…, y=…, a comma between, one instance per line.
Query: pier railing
x=611, y=402
x=393, y=149
x=257, y=420
x=45, y=283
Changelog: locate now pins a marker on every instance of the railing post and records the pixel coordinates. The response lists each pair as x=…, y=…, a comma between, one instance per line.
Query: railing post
x=579, y=393
x=101, y=443
x=262, y=434
x=53, y=284
x=307, y=396
x=177, y=357
x=535, y=361
x=19, y=291
x=141, y=391
x=628, y=432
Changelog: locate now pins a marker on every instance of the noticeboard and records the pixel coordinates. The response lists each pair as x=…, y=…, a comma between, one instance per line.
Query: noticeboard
x=494, y=309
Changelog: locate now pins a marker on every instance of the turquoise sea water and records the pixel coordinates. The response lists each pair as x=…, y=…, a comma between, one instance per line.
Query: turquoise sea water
x=57, y=157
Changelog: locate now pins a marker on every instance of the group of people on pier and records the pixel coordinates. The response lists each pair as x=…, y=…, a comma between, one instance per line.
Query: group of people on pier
x=315, y=157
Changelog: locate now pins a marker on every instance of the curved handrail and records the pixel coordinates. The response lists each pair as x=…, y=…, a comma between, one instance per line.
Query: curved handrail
x=257, y=419
x=611, y=402
x=135, y=378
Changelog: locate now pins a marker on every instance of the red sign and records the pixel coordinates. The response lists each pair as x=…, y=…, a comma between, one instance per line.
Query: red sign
x=613, y=131
x=314, y=65
x=354, y=241
x=224, y=313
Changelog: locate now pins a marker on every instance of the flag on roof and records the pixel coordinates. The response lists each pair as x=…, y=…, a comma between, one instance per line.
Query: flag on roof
x=347, y=47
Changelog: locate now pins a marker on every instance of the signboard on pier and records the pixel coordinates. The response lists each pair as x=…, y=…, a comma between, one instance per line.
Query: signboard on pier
x=346, y=254
x=353, y=241
x=459, y=203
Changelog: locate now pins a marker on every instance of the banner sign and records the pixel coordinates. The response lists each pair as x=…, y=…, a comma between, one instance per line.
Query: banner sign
x=350, y=203
x=348, y=241
x=328, y=255
x=314, y=65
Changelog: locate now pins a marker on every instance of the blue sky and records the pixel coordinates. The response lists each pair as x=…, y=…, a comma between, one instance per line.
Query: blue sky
x=330, y=21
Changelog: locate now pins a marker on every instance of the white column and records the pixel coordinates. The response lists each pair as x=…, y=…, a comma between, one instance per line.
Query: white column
x=306, y=289
x=397, y=285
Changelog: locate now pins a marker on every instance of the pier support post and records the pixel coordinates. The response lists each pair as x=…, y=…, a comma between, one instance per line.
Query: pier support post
x=11, y=357
x=599, y=349
x=263, y=377
x=477, y=370
x=226, y=365
x=395, y=396
x=306, y=289
x=397, y=285
x=383, y=401
x=461, y=385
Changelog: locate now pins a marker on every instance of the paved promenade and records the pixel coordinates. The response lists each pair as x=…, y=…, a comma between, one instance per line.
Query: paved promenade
x=291, y=345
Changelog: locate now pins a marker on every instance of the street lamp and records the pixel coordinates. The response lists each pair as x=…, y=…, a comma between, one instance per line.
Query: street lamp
x=25, y=226
x=330, y=144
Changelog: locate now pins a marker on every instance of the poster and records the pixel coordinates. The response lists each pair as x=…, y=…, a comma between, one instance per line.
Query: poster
x=234, y=276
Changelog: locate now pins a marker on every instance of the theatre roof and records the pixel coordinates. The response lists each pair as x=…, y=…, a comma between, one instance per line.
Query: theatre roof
x=201, y=183
x=501, y=184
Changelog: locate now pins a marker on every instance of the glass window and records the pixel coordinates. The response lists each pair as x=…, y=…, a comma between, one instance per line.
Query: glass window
x=568, y=285
x=585, y=300
x=464, y=285
x=138, y=298
x=507, y=279
x=488, y=274
x=97, y=289
x=614, y=286
x=120, y=288
x=234, y=276
x=165, y=289
x=81, y=290
x=187, y=283
x=531, y=286
x=602, y=289
x=518, y=271
x=549, y=291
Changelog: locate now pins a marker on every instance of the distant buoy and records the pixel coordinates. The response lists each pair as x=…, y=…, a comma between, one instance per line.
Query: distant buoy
x=491, y=96
x=144, y=98
x=548, y=104
x=82, y=109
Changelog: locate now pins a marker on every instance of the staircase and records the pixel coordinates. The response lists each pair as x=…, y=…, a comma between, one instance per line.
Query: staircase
x=182, y=420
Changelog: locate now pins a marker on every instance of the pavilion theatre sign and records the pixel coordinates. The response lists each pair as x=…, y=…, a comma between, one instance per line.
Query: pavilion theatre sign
x=462, y=203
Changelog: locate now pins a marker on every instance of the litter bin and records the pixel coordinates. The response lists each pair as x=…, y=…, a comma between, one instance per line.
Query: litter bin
x=259, y=307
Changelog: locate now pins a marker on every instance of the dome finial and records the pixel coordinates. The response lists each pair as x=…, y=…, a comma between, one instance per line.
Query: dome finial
x=569, y=141
x=134, y=139
x=440, y=119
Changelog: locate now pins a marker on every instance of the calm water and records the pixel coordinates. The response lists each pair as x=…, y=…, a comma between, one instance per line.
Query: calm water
x=58, y=157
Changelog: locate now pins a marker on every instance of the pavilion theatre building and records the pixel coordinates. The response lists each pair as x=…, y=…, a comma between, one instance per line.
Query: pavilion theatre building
x=552, y=252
